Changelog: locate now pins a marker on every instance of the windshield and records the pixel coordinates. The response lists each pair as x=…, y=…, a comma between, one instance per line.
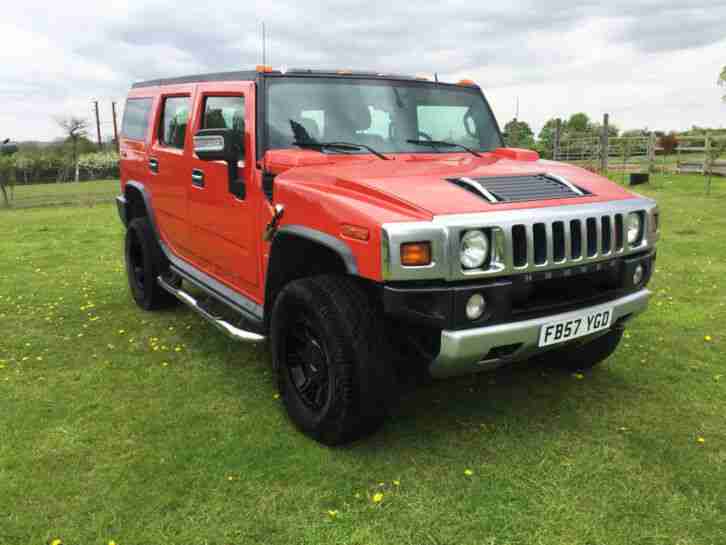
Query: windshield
x=381, y=114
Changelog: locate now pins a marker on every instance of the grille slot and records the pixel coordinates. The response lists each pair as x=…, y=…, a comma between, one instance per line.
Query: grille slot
x=519, y=246
x=530, y=187
x=607, y=235
x=540, y=244
x=560, y=242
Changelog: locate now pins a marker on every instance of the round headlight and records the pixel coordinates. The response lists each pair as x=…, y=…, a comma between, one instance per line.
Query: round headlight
x=635, y=227
x=475, y=306
x=474, y=249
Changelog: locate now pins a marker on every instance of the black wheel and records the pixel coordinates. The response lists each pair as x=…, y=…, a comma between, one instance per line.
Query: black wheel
x=331, y=365
x=584, y=355
x=144, y=263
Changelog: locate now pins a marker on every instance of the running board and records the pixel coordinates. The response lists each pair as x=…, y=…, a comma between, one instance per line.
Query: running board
x=224, y=326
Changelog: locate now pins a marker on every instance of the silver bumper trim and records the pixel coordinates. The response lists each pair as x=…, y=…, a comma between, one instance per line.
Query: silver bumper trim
x=464, y=351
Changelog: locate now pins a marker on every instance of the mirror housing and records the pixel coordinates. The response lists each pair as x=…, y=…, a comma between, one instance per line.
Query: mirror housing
x=222, y=145
x=217, y=145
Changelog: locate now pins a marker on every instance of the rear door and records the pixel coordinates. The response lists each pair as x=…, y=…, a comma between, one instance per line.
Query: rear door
x=168, y=165
x=222, y=237
x=132, y=143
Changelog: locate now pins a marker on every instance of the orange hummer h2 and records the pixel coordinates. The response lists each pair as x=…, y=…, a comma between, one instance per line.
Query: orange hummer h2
x=371, y=227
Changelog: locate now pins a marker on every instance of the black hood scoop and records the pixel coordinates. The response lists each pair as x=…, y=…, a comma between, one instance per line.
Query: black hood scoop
x=528, y=187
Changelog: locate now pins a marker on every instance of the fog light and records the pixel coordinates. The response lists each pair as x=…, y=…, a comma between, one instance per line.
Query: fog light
x=638, y=275
x=475, y=306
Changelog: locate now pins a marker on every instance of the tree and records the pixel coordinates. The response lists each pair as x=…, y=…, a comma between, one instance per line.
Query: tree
x=546, y=137
x=519, y=134
x=74, y=128
x=579, y=122
x=722, y=79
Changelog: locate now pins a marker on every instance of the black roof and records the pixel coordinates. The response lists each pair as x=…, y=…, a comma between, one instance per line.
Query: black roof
x=250, y=75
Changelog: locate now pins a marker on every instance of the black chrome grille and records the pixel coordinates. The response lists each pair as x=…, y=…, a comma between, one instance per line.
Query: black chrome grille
x=530, y=187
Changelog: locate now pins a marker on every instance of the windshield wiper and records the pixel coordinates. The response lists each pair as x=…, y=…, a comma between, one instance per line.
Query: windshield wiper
x=443, y=144
x=312, y=144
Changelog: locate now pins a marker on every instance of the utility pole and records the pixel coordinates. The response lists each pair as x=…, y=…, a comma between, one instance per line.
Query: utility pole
x=115, y=126
x=604, y=144
x=98, y=125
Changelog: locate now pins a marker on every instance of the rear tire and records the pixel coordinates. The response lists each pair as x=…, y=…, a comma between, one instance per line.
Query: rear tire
x=585, y=356
x=144, y=263
x=330, y=358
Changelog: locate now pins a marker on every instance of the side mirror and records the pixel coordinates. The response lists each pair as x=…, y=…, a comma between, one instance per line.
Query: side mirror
x=222, y=145
x=217, y=145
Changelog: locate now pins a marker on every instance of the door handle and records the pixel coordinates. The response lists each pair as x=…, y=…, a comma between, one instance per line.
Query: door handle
x=154, y=165
x=197, y=178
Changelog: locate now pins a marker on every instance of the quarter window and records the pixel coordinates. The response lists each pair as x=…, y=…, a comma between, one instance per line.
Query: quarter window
x=136, y=118
x=174, y=121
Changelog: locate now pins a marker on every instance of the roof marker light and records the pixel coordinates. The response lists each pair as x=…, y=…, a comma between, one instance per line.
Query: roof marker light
x=467, y=82
x=263, y=68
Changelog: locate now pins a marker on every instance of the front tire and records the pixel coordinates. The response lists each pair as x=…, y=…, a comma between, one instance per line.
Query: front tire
x=585, y=356
x=331, y=364
x=144, y=263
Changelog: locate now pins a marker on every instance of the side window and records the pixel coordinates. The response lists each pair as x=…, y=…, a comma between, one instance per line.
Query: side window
x=446, y=123
x=225, y=113
x=174, y=121
x=136, y=118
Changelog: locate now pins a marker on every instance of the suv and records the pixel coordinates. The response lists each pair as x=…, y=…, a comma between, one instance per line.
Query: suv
x=373, y=227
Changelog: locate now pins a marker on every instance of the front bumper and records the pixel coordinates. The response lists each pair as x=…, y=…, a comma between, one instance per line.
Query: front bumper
x=471, y=350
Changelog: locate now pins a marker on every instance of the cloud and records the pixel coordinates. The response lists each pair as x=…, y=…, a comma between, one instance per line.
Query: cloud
x=558, y=56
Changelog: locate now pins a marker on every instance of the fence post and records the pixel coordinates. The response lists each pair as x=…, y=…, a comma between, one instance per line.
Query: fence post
x=651, y=152
x=558, y=131
x=604, y=145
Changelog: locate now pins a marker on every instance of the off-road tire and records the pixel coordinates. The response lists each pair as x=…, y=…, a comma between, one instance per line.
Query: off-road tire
x=584, y=356
x=333, y=322
x=144, y=263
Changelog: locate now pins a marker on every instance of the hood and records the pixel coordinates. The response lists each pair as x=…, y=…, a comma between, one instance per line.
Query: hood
x=423, y=181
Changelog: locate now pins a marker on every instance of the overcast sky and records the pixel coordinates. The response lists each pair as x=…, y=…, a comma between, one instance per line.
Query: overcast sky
x=648, y=63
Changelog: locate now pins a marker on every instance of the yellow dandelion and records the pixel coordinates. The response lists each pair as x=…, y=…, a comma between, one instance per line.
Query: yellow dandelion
x=178, y=349
x=112, y=542
x=333, y=513
x=57, y=541
x=276, y=396
x=578, y=376
x=707, y=338
x=396, y=483
x=377, y=497
x=165, y=364
x=230, y=478
x=121, y=331
x=468, y=472
x=701, y=440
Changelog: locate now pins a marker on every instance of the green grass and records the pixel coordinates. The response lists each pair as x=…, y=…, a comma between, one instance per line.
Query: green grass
x=102, y=437
x=81, y=193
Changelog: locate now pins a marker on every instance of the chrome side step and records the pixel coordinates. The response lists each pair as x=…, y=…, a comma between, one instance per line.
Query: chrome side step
x=224, y=326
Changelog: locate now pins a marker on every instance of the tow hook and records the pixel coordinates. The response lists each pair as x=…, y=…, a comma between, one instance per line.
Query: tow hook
x=272, y=226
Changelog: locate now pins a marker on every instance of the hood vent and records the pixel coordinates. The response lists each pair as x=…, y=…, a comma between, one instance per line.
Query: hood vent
x=529, y=187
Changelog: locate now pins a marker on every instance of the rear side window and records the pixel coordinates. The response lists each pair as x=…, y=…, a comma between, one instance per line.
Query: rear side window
x=174, y=121
x=136, y=118
x=226, y=113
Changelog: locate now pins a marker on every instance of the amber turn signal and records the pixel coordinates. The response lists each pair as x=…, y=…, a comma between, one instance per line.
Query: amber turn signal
x=415, y=254
x=353, y=231
x=467, y=82
x=263, y=68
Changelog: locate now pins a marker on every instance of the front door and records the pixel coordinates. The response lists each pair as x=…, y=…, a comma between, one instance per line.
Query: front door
x=222, y=237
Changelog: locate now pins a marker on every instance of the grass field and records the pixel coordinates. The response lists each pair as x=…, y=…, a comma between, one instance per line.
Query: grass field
x=155, y=429
x=81, y=193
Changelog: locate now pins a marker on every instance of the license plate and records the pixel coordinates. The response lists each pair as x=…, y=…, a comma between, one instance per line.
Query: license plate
x=575, y=326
